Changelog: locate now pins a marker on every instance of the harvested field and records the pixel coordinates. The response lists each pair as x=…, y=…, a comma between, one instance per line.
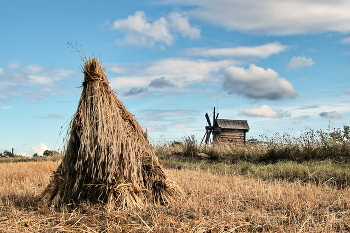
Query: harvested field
x=211, y=203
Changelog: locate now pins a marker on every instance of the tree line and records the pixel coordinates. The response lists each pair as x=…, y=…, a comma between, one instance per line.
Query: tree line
x=8, y=154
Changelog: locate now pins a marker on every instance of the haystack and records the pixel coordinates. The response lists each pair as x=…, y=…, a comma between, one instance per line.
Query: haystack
x=108, y=158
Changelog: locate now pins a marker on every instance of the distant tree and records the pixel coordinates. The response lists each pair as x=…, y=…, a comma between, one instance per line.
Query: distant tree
x=35, y=155
x=7, y=154
x=49, y=152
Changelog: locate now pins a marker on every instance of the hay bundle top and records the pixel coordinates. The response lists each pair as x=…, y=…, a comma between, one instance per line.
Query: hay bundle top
x=108, y=158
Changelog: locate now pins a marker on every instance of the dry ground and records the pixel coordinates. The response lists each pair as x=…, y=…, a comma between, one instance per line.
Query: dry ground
x=210, y=203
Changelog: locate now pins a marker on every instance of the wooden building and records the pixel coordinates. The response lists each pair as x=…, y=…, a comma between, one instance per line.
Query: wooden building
x=230, y=131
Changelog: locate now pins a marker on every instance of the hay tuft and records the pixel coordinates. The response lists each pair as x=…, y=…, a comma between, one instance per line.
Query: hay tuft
x=108, y=159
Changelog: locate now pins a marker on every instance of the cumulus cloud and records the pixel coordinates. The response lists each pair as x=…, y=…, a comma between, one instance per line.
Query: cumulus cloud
x=174, y=72
x=139, y=31
x=31, y=81
x=265, y=111
x=181, y=72
x=272, y=17
x=178, y=22
x=161, y=83
x=260, y=51
x=135, y=91
x=37, y=149
x=257, y=83
x=297, y=62
x=332, y=114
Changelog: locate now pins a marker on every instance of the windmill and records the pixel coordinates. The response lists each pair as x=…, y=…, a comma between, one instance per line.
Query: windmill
x=210, y=128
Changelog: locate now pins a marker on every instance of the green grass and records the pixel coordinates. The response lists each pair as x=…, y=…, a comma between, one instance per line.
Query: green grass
x=316, y=172
x=316, y=156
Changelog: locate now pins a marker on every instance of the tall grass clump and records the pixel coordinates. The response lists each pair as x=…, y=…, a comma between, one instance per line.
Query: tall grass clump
x=333, y=144
x=315, y=156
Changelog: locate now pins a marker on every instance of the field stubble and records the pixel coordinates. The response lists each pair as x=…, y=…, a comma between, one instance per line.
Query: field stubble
x=211, y=203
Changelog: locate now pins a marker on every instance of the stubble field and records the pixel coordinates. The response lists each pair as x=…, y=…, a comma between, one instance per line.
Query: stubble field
x=210, y=203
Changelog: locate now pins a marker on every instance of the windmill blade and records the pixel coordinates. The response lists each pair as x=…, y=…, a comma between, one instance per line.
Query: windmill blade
x=204, y=137
x=214, y=117
x=208, y=120
x=208, y=136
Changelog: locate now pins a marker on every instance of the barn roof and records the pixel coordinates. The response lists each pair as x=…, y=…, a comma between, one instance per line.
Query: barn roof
x=232, y=124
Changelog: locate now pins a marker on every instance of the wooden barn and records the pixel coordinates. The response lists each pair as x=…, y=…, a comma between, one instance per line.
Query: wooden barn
x=226, y=131
x=230, y=131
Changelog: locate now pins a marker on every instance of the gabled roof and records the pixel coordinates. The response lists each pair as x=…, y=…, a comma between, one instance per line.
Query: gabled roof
x=232, y=124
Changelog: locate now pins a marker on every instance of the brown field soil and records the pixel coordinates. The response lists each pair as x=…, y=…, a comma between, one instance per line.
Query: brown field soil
x=211, y=203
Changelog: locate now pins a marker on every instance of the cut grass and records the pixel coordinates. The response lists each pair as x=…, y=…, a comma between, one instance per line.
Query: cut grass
x=211, y=203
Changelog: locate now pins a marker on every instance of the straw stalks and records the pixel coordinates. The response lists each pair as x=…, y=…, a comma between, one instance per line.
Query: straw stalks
x=108, y=158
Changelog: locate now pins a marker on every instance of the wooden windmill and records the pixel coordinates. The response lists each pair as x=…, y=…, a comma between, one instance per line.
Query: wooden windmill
x=209, y=130
x=225, y=130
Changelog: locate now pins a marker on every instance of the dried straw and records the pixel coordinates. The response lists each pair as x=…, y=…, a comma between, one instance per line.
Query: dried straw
x=108, y=158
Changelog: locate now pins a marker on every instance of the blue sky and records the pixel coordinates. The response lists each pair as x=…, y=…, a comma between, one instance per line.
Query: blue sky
x=281, y=65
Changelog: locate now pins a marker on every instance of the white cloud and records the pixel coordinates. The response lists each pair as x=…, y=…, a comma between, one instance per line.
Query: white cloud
x=33, y=69
x=297, y=62
x=257, y=83
x=32, y=81
x=265, y=111
x=332, y=114
x=178, y=73
x=161, y=83
x=6, y=107
x=179, y=23
x=346, y=40
x=272, y=17
x=37, y=149
x=135, y=91
x=260, y=51
x=140, y=31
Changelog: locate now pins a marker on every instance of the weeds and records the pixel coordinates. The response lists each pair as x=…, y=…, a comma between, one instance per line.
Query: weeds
x=316, y=156
x=333, y=144
x=330, y=144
